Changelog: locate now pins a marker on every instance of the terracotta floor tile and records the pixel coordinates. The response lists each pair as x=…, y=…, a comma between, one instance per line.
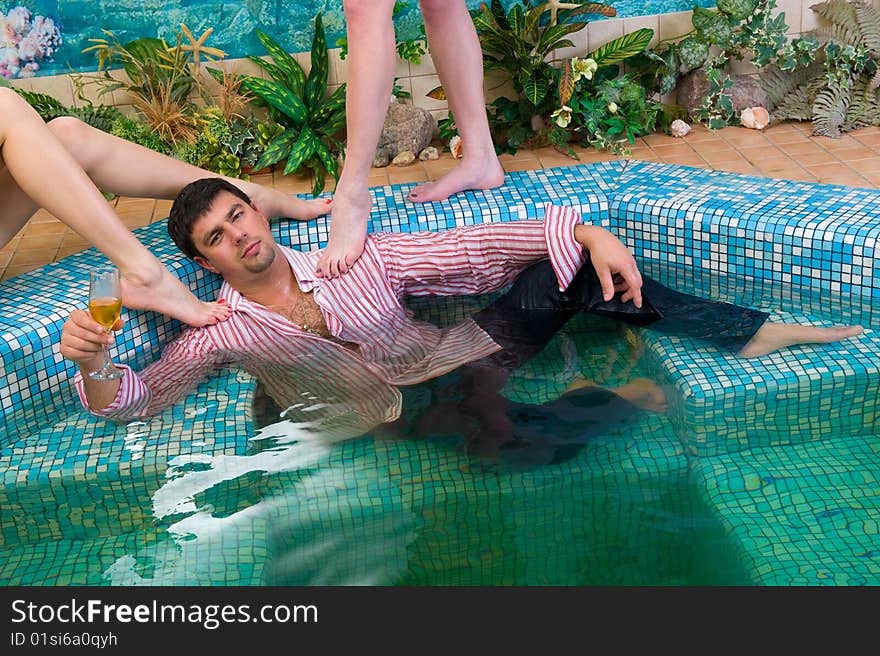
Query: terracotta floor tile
x=660, y=139
x=18, y=269
x=522, y=165
x=842, y=143
x=684, y=160
x=801, y=147
x=43, y=216
x=829, y=169
x=407, y=174
x=773, y=163
x=135, y=205
x=37, y=256
x=53, y=227
x=11, y=245
x=5, y=258
x=815, y=159
x=39, y=242
x=719, y=155
x=793, y=174
x=162, y=209
x=847, y=180
x=854, y=153
x=745, y=137
x=519, y=156
x=867, y=165
x=66, y=250
x=736, y=166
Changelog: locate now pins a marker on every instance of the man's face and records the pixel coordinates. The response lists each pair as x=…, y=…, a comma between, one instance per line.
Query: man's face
x=233, y=238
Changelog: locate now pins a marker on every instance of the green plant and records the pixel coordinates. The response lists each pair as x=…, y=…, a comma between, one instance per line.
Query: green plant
x=836, y=85
x=737, y=29
x=98, y=116
x=140, y=133
x=160, y=80
x=602, y=111
x=295, y=101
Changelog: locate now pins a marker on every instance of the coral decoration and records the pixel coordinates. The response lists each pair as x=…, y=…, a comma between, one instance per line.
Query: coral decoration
x=26, y=40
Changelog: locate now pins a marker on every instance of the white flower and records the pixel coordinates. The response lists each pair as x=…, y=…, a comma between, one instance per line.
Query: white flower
x=583, y=68
x=562, y=116
x=612, y=107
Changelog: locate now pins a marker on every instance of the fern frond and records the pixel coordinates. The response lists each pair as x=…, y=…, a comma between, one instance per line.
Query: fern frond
x=864, y=108
x=778, y=84
x=829, y=110
x=838, y=12
x=875, y=80
x=839, y=34
x=869, y=24
x=796, y=106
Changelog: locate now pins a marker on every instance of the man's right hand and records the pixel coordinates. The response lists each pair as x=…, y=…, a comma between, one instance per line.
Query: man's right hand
x=83, y=340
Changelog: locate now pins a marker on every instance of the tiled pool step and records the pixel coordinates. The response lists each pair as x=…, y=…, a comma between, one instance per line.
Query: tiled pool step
x=807, y=514
x=82, y=474
x=803, y=247
x=722, y=403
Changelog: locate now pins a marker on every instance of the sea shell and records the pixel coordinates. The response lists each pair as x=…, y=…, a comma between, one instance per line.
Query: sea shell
x=754, y=117
x=455, y=146
x=679, y=128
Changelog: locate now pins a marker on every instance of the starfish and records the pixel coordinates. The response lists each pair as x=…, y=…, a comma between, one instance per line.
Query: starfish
x=554, y=6
x=197, y=46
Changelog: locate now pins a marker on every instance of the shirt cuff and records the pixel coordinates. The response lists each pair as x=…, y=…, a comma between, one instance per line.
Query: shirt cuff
x=567, y=256
x=129, y=392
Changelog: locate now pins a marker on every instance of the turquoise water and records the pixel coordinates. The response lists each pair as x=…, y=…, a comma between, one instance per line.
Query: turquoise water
x=635, y=506
x=234, y=22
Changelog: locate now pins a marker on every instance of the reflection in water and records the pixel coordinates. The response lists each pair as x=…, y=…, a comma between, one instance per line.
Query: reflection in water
x=306, y=507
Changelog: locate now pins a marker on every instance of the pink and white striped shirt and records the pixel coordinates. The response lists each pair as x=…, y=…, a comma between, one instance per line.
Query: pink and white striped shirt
x=306, y=372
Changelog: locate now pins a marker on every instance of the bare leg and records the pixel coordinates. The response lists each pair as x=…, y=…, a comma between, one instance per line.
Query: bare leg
x=774, y=336
x=34, y=157
x=455, y=49
x=370, y=78
x=127, y=169
x=643, y=393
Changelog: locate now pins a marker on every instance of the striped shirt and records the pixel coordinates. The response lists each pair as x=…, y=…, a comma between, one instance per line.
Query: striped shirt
x=310, y=374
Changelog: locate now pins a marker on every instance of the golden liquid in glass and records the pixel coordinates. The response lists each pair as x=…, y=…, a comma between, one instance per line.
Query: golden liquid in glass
x=105, y=311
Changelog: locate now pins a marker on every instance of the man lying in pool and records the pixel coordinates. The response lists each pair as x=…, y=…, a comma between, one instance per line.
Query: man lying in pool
x=343, y=345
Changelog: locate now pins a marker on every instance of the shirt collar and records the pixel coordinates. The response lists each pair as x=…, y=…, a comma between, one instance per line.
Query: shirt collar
x=302, y=264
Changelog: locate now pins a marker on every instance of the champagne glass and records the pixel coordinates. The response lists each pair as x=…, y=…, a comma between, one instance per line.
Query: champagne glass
x=105, y=306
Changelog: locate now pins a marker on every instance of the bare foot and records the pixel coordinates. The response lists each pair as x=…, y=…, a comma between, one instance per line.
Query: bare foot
x=272, y=202
x=483, y=173
x=774, y=336
x=348, y=231
x=643, y=393
x=167, y=294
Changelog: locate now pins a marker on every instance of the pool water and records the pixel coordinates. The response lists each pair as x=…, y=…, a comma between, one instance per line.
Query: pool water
x=395, y=507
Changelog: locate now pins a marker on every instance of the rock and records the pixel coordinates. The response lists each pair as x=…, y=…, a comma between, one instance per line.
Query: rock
x=381, y=159
x=404, y=158
x=429, y=153
x=406, y=128
x=754, y=117
x=679, y=128
x=746, y=92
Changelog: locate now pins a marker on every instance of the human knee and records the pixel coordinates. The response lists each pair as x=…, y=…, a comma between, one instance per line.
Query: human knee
x=69, y=130
x=360, y=12
x=432, y=9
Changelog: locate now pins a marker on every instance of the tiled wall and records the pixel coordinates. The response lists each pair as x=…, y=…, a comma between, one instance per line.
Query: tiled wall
x=419, y=79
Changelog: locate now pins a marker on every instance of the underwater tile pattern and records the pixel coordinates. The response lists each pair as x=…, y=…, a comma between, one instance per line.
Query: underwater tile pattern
x=804, y=515
x=723, y=403
x=104, y=470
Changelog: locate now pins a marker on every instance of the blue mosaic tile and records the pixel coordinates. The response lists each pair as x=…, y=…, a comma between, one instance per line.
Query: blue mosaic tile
x=723, y=403
x=81, y=474
x=814, y=244
x=800, y=515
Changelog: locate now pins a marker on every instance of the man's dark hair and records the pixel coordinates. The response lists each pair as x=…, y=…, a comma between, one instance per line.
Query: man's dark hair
x=191, y=204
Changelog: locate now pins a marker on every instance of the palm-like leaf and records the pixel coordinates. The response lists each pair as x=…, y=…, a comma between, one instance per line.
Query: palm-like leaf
x=294, y=76
x=622, y=47
x=302, y=150
x=279, y=97
x=317, y=80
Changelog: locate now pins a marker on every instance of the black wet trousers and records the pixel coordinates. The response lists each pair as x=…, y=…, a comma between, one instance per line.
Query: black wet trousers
x=523, y=321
